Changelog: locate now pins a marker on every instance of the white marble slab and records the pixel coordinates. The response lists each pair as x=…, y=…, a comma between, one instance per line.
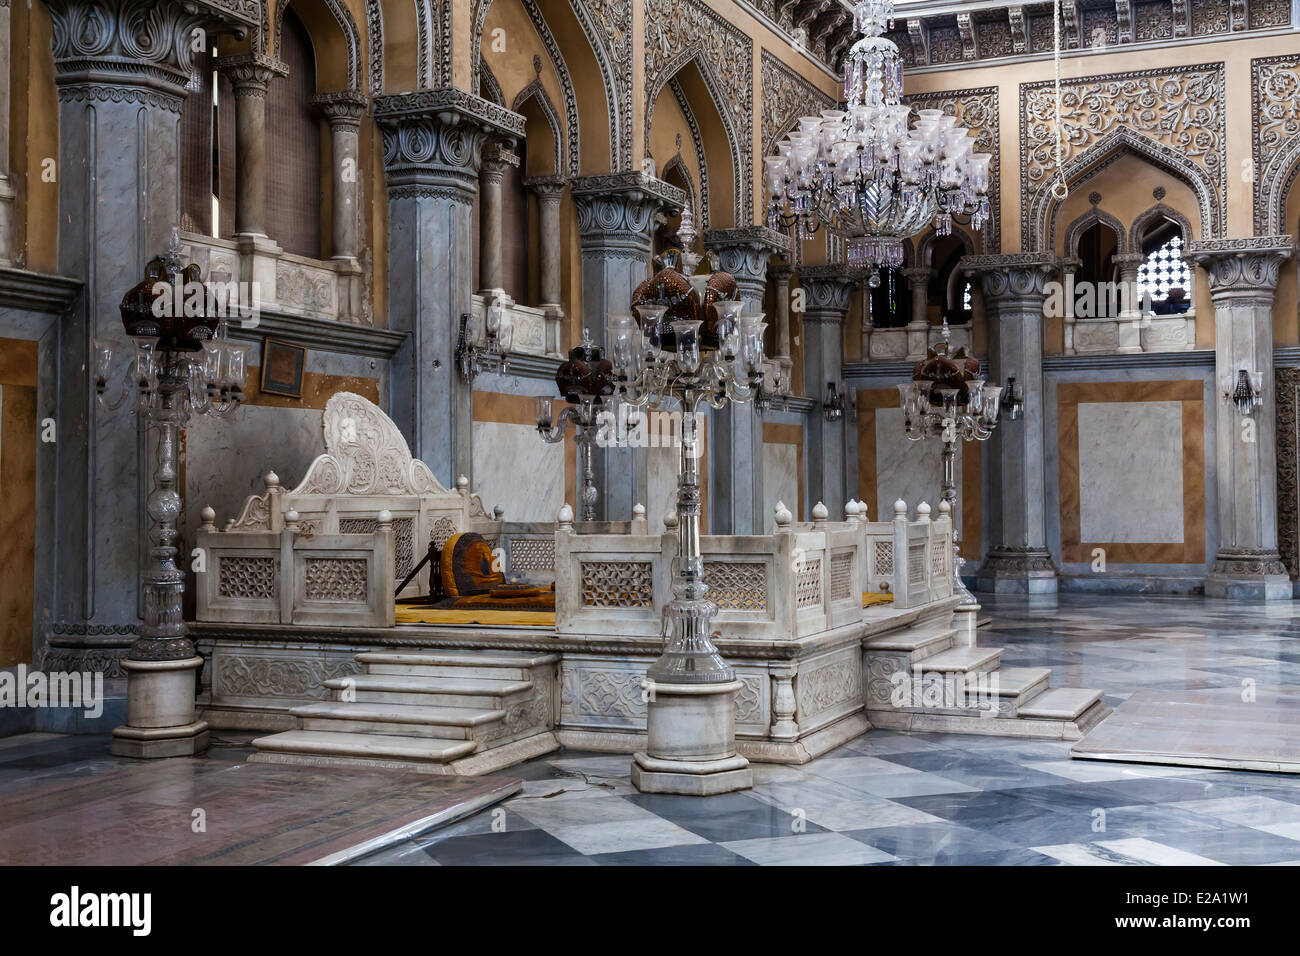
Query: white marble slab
x=1131, y=472
x=515, y=469
x=911, y=470
x=780, y=480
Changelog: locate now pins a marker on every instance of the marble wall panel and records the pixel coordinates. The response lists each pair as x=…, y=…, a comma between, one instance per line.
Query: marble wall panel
x=516, y=470
x=1131, y=471
x=783, y=470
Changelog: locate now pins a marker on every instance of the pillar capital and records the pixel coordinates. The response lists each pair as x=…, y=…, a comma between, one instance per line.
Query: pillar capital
x=127, y=51
x=342, y=107
x=251, y=73
x=1240, y=268
x=1018, y=277
x=744, y=253
x=917, y=275
x=616, y=212
x=780, y=272
x=827, y=290
x=546, y=188
x=434, y=140
x=497, y=158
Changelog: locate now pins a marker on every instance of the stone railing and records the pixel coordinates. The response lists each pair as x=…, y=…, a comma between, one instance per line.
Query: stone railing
x=926, y=574
x=536, y=330
x=901, y=345
x=330, y=289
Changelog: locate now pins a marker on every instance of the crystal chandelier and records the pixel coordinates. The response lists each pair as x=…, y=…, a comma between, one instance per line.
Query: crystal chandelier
x=865, y=172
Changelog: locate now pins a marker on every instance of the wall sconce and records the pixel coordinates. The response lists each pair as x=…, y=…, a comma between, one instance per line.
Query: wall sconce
x=1245, y=392
x=1013, y=398
x=485, y=343
x=839, y=399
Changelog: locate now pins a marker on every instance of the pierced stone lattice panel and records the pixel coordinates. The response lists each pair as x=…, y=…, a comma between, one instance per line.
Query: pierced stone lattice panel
x=842, y=576
x=532, y=554
x=336, y=579
x=938, y=558
x=885, y=558
x=250, y=578
x=443, y=529
x=808, y=583
x=617, y=584
x=403, y=539
x=737, y=585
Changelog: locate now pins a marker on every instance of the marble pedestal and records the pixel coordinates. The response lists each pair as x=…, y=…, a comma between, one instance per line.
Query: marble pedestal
x=1248, y=577
x=691, y=741
x=160, y=718
x=1017, y=571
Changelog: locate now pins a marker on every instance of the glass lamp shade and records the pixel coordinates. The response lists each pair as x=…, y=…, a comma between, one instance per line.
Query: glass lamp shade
x=686, y=335
x=237, y=366
x=102, y=353
x=992, y=403
x=652, y=321
x=210, y=365
x=751, y=341
x=146, y=362
x=545, y=415
x=621, y=330
x=728, y=311
x=975, y=400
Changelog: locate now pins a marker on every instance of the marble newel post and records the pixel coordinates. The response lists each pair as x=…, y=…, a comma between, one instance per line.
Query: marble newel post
x=616, y=215
x=119, y=197
x=497, y=158
x=250, y=74
x=1016, y=527
x=548, y=190
x=827, y=292
x=7, y=195
x=1243, y=277
x=918, y=329
x=737, y=504
x=433, y=144
x=343, y=110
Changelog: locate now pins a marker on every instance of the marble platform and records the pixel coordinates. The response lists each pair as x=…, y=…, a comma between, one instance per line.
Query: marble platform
x=1201, y=728
x=64, y=801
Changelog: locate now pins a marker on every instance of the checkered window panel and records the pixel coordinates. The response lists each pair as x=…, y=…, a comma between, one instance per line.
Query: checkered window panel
x=1164, y=270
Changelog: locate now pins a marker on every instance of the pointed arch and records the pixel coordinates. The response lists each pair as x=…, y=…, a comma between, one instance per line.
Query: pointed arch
x=489, y=88
x=1094, y=216
x=1137, y=231
x=740, y=152
x=375, y=45
x=1040, y=215
x=1275, y=183
x=924, y=256
x=702, y=206
x=536, y=91
x=679, y=164
x=348, y=27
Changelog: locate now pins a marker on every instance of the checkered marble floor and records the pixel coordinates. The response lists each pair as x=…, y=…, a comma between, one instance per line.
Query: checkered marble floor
x=891, y=798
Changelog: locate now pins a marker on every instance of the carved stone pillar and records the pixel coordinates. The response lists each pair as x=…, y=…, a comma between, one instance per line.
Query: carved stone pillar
x=616, y=214
x=1243, y=277
x=737, y=504
x=433, y=143
x=250, y=74
x=8, y=239
x=1069, y=269
x=918, y=329
x=119, y=196
x=1130, y=316
x=827, y=294
x=548, y=190
x=780, y=275
x=343, y=110
x=497, y=158
x=1014, y=294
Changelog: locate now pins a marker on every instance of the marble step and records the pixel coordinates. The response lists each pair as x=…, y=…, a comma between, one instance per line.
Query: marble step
x=960, y=660
x=1060, y=703
x=502, y=665
x=400, y=720
x=1022, y=683
x=920, y=644
x=324, y=743
x=473, y=692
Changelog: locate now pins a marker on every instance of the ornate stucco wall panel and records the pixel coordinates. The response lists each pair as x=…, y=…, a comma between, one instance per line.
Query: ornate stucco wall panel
x=977, y=110
x=1275, y=112
x=1174, y=117
x=679, y=32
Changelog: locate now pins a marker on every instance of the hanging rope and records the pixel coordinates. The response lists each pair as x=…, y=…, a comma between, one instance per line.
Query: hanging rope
x=1060, y=188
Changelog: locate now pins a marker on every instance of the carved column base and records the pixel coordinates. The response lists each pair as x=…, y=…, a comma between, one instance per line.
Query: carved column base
x=1017, y=571
x=160, y=710
x=1248, y=575
x=691, y=741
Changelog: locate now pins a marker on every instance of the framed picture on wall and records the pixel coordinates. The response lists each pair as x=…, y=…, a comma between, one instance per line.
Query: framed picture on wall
x=282, y=368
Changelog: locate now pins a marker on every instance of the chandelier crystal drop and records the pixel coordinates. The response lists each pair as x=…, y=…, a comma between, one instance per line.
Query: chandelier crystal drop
x=867, y=172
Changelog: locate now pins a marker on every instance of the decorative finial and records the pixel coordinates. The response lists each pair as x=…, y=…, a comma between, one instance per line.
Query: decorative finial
x=923, y=511
x=900, y=508
x=209, y=519
x=462, y=485
x=782, y=515
x=272, y=480
x=819, y=512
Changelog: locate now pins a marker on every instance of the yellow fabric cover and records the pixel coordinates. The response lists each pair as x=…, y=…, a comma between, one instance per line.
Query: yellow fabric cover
x=871, y=598
x=423, y=614
x=467, y=566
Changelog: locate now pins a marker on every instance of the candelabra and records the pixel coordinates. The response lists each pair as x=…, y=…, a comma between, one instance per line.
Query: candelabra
x=182, y=365
x=693, y=346
x=484, y=345
x=585, y=381
x=948, y=399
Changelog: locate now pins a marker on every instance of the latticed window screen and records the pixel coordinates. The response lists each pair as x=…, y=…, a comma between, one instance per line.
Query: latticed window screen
x=293, y=186
x=1163, y=270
